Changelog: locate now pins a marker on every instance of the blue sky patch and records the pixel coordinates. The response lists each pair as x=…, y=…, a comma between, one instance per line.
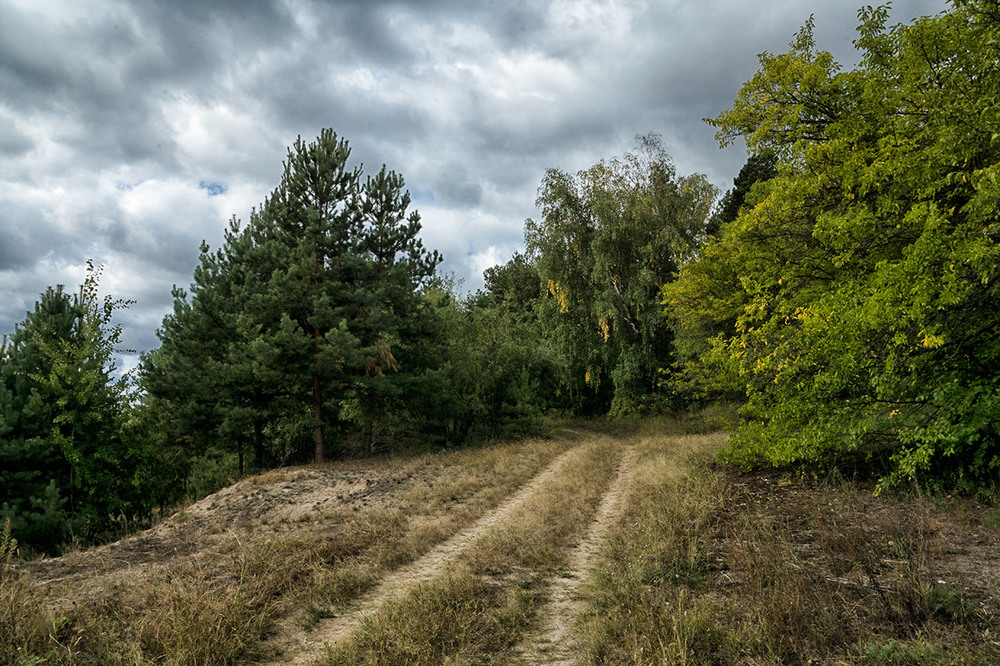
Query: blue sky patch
x=214, y=189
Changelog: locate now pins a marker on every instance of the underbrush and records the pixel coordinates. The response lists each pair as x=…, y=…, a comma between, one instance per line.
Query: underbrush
x=713, y=418
x=713, y=567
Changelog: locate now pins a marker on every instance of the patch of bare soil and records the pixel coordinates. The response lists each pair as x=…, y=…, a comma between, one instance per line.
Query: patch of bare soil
x=275, y=502
x=553, y=643
x=298, y=647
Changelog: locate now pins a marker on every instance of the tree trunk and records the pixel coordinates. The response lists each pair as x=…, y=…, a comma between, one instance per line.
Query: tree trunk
x=317, y=401
x=318, y=418
x=368, y=438
x=258, y=445
x=369, y=411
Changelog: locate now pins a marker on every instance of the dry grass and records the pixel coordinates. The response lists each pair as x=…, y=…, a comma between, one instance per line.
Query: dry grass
x=660, y=550
x=705, y=566
x=479, y=611
x=192, y=592
x=24, y=627
x=712, y=567
x=539, y=532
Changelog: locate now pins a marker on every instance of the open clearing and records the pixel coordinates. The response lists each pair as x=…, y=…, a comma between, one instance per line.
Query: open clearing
x=628, y=547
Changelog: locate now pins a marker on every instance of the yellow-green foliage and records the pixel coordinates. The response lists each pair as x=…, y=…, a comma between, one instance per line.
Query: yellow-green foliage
x=858, y=288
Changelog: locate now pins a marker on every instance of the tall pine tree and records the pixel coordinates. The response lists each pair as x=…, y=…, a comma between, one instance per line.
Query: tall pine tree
x=303, y=310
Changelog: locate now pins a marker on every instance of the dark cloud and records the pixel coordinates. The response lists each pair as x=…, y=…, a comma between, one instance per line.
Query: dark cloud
x=15, y=252
x=26, y=236
x=132, y=131
x=14, y=142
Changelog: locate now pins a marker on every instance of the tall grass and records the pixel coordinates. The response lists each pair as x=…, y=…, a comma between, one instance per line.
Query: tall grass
x=659, y=555
x=220, y=605
x=24, y=627
x=704, y=566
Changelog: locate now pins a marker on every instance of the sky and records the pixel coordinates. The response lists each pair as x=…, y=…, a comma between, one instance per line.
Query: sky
x=132, y=131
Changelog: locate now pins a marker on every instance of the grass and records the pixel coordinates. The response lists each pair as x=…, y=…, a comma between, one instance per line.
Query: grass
x=712, y=567
x=218, y=607
x=705, y=566
x=24, y=627
x=480, y=610
x=658, y=556
x=462, y=618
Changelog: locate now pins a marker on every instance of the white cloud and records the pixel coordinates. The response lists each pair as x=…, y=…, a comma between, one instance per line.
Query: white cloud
x=115, y=112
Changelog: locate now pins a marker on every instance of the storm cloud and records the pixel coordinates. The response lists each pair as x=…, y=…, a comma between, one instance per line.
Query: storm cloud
x=132, y=131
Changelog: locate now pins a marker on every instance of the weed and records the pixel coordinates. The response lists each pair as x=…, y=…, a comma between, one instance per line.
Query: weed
x=949, y=603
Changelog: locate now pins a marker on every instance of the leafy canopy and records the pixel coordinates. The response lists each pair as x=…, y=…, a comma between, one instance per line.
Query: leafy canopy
x=608, y=240
x=856, y=298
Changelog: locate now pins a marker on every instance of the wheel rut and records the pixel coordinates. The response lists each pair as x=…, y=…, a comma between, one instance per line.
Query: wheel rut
x=553, y=642
x=301, y=648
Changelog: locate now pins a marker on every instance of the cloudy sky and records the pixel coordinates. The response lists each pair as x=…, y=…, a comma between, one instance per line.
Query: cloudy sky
x=130, y=131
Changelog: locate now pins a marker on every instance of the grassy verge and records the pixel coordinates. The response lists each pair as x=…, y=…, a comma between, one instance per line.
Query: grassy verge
x=24, y=626
x=711, y=567
x=217, y=606
x=479, y=611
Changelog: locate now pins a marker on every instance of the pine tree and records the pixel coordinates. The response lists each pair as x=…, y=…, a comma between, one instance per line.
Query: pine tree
x=302, y=312
x=34, y=475
x=311, y=226
x=398, y=266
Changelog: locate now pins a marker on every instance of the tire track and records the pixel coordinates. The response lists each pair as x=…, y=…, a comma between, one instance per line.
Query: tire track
x=554, y=643
x=306, y=648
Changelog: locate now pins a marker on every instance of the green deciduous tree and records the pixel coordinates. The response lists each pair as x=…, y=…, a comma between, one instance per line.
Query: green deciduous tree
x=708, y=300
x=493, y=373
x=608, y=240
x=70, y=460
x=863, y=281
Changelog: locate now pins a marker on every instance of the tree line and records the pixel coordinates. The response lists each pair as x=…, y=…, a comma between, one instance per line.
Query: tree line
x=843, y=293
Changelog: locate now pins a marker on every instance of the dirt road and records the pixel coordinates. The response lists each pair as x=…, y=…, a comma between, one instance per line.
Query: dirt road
x=298, y=647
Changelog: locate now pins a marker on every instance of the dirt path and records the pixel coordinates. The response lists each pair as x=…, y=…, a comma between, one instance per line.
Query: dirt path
x=299, y=647
x=553, y=643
